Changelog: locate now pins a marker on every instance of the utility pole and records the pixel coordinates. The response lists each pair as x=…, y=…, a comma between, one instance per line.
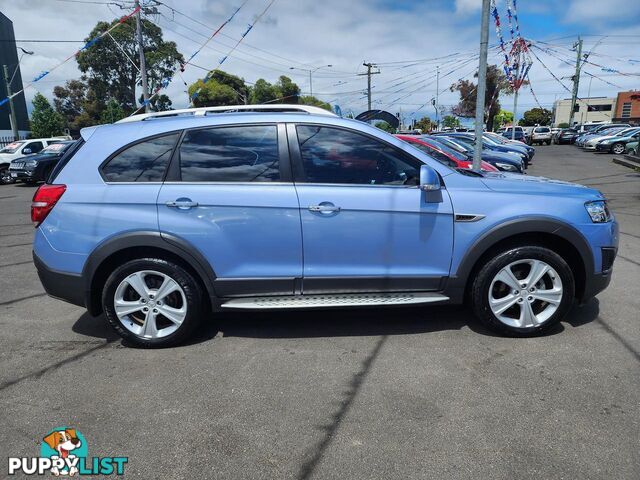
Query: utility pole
x=368, y=74
x=12, y=117
x=576, y=80
x=143, y=64
x=482, y=85
x=515, y=105
x=437, y=95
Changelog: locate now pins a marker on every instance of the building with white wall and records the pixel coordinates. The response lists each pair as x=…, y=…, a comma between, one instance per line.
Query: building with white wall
x=592, y=109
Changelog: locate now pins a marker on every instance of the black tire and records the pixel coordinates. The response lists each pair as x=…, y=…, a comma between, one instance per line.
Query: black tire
x=191, y=288
x=5, y=179
x=484, y=278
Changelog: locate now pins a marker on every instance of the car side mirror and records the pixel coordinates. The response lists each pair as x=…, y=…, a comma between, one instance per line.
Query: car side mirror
x=429, y=180
x=26, y=151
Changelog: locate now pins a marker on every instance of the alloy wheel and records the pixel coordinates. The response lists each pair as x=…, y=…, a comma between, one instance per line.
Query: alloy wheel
x=150, y=304
x=618, y=149
x=525, y=293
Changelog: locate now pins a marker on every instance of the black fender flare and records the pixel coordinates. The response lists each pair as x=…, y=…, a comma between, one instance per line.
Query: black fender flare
x=175, y=245
x=458, y=280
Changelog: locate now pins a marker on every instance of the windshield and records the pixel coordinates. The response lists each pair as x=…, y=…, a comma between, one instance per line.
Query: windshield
x=54, y=149
x=497, y=138
x=458, y=147
x=612, y=131
x=12, y=147
x=449, y=151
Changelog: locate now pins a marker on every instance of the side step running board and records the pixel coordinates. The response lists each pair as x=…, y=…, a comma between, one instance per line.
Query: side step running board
x=336, y=300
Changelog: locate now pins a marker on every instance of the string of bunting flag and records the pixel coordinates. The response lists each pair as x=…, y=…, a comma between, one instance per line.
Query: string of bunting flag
x=87, y=45
x=223, y=59
x=164, y=83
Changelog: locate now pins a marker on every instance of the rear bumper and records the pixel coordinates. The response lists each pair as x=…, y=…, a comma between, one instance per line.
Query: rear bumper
x=61, y=285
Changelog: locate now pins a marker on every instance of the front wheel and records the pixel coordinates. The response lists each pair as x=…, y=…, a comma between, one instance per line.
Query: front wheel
x=523, y=291
x=5, y=176
x=152, y=302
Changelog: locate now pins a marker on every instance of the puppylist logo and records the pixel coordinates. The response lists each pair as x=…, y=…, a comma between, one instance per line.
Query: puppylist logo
x=64, y=451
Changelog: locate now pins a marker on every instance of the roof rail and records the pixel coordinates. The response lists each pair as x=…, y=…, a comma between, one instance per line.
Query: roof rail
x=202, y=111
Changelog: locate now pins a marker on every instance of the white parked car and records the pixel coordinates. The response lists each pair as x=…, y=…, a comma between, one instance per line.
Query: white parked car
x=540, y=135
x=22, y=148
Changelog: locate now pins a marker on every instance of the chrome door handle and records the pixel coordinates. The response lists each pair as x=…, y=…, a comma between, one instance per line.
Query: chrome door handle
x=182, y=203
x=324, y=208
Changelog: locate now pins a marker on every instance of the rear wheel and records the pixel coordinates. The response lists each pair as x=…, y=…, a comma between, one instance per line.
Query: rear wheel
x=617, y=148
x=523, y=291
x=152, y=302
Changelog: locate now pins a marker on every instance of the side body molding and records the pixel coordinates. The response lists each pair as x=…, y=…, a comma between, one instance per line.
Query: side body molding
x=530, y=225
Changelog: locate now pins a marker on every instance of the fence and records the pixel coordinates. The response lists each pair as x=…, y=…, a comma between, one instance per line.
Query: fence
x=4, y=141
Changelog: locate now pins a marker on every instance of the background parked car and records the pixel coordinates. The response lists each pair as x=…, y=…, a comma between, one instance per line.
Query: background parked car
x=540, y=135
x=22, y=148
x=567, y=135
x=509, y=161
x=618, y=143
x=520, y=134
x=36, y=168
x=632, y=148
x=444, y=154
x=502, y=161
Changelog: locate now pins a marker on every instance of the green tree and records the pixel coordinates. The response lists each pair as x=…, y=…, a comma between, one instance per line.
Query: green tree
x=564, y=125
x=45, y=121
x=385, y=126
x=502, y=118
x=78, y=104
x=112, y=112
x=109, y=68
x=424, y=124
x=309, y=100
x=496, y=83
x=161, y=103
x=263, y=92
x=449, y=121
x=536, y=116
x=287, y=90
x=221, y=88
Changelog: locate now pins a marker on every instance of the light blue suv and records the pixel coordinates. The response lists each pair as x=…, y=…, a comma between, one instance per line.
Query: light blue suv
x=165, y=219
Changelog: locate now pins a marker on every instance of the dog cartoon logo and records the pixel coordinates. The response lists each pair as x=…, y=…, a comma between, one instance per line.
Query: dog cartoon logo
x=66, y=444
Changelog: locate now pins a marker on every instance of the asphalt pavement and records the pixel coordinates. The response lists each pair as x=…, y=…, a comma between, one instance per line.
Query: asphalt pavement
x=407, y=393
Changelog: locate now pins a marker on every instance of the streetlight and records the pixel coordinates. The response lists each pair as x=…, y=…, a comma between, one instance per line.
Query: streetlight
x=311, y=72
x=12, y=116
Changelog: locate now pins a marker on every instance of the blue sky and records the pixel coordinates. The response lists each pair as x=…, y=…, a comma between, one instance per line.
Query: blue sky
x=307, y=33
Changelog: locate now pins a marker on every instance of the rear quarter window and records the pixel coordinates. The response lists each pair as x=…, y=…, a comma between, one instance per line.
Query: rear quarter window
x=144, y=161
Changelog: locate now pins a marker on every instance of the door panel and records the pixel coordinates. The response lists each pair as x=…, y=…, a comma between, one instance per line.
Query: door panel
x=366, y=224
x=237, y=206
x=382, y=239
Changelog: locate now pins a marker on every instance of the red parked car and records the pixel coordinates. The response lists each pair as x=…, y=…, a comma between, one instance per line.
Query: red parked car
x=444, y=154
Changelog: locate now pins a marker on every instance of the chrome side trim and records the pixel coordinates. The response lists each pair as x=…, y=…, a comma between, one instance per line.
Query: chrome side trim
x=468, y=217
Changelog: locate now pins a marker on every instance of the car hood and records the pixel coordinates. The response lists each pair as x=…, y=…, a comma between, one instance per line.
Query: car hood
x=515, y=183
x=493, y=155
x=36, y=157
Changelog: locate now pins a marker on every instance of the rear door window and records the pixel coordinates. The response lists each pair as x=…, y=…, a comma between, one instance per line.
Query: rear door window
x=144, y=161
x=247, y=153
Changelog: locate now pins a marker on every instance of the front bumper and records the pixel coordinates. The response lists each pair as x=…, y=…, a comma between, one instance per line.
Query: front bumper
x=21, y=174
x=61, y=285
x=603, y=148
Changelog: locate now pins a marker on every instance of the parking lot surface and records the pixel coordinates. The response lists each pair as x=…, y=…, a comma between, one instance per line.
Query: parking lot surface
x=374, y=393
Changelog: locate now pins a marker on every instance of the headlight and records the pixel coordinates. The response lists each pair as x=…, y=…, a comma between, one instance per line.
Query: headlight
x=506, y=166
x=598, y=211
x=30, y=163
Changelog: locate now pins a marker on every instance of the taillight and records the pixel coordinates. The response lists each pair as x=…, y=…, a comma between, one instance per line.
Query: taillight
x=44, y=200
